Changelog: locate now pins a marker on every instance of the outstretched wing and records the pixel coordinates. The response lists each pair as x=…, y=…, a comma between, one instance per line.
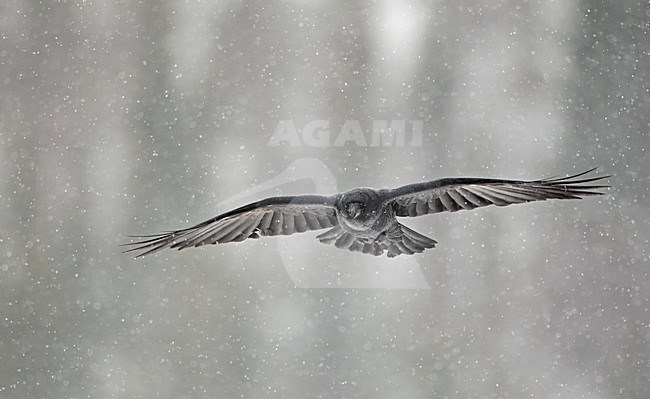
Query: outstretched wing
x=268, y=217
x=468, y=193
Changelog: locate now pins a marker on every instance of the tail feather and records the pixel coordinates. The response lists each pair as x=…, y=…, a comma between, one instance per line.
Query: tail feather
x=397, y=240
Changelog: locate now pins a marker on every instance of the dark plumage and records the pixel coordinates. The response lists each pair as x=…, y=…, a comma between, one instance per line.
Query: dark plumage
x=364, y=219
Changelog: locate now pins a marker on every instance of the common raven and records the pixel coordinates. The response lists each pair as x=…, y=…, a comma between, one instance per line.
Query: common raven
x=365, y=219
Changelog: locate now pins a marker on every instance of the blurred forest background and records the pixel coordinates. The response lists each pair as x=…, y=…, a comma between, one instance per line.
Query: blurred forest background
x=132, y=117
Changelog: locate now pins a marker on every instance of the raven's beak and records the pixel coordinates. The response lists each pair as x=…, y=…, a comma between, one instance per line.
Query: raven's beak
x=354, y=210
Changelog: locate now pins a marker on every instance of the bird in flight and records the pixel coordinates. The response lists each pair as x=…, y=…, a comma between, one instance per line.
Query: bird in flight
x=365, y=219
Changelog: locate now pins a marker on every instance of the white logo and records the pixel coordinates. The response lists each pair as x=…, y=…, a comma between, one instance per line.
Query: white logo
x=318, y=133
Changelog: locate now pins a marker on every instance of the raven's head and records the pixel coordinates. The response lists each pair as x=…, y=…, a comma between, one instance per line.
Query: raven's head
x=360, y=204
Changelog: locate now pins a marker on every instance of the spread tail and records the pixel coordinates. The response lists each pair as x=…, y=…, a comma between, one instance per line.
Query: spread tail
x=397, y=240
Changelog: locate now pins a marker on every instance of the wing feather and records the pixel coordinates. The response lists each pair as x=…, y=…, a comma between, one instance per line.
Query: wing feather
x=312, y=221
x=276, y=223
x=421, y=208
x=460, y=200
x=448, y=202
x=271, y=216
x=288, y=226
x=300, y=223
x=265, y=221
x=469, y=193
x=473, y=198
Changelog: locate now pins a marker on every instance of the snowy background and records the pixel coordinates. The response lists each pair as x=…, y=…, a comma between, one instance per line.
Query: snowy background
x=132, y=117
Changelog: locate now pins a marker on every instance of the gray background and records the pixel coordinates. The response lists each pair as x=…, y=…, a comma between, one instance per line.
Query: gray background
x=133, y=117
